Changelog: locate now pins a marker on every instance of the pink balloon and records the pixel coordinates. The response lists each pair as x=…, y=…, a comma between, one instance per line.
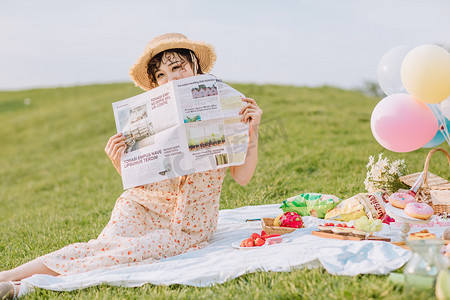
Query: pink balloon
x=401, y=123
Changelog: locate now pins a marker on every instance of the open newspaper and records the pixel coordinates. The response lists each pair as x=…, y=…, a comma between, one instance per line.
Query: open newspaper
x=182, y=127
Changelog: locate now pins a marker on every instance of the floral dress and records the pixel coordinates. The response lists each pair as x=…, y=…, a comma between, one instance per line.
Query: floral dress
x=149, y=222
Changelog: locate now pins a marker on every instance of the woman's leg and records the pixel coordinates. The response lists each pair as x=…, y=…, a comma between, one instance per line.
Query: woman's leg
x=26, y=270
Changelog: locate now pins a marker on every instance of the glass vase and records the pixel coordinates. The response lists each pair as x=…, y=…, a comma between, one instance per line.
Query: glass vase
x=426, y=262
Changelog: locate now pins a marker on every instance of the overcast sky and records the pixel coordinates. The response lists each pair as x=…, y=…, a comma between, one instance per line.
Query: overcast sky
x=50, y=43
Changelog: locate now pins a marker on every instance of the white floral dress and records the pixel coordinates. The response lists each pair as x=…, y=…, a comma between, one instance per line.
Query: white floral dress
x=150, y=222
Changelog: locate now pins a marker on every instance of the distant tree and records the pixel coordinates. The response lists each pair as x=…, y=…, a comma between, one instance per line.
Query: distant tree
x=372, y=89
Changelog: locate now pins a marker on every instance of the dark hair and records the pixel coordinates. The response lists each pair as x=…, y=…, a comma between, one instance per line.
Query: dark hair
x=155, y=62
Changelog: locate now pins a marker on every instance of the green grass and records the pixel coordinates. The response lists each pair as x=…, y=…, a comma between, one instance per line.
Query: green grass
x=58, y=186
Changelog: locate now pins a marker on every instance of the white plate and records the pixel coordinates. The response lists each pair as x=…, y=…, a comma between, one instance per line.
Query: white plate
x=236, y=244
x=399, y=215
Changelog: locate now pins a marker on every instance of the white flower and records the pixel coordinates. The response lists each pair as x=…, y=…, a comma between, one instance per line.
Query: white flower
x=393, y=170
x=383, y=175
x=371, y=161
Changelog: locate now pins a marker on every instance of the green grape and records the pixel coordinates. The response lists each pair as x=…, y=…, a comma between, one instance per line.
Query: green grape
x=368, y=225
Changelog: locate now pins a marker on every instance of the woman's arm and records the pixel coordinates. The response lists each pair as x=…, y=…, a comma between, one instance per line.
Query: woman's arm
x=250, y=113
x=114, y=149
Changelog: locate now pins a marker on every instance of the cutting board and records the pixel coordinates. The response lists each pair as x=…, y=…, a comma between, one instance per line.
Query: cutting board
x=348, y=237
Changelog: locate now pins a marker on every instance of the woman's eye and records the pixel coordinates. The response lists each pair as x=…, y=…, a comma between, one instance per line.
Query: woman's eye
x=159, y=75
x=176, y=67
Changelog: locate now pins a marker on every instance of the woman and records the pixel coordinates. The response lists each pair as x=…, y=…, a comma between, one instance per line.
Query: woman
x=161, y=219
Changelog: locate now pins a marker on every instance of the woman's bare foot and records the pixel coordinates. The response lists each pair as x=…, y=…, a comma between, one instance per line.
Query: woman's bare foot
x=8, y=290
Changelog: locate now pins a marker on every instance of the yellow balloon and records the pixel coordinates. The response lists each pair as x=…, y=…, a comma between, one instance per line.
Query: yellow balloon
x=425, y=73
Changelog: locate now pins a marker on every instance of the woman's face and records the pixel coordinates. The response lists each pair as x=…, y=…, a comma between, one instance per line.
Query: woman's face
x=173, y=66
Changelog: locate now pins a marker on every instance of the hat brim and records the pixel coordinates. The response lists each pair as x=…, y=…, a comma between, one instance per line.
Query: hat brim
x=205, y=53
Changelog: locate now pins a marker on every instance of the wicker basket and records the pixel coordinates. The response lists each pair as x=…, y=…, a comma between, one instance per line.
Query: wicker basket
x=431, y=182
x=267, y=226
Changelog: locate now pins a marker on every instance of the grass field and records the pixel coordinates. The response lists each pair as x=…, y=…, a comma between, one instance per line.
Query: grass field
x=58, y=186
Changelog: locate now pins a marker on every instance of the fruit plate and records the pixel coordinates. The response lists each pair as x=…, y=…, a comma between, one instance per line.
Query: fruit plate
x=284, y=240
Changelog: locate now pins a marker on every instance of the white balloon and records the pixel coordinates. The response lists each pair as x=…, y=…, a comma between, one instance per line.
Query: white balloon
x=444, y=106
x=389, y=70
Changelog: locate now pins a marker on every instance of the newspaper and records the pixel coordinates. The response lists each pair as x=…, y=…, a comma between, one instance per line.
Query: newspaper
x=182, y=127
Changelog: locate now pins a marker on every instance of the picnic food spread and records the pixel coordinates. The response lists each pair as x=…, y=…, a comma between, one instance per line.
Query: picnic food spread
x=392, y=213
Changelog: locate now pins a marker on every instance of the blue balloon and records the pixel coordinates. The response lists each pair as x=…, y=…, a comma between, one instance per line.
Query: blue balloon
x=439, y=138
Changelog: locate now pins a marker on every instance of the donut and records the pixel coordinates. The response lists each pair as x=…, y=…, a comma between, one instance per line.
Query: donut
x=400, y=200
x=419, y=210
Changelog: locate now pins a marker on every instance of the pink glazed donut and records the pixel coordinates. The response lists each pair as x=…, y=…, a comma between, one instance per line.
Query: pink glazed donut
x=400, y=200
x=419, y=210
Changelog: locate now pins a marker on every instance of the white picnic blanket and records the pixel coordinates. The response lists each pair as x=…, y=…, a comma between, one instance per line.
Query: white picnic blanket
x=219, y=261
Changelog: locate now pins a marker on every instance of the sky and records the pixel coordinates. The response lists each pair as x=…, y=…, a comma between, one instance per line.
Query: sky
x=50, y=43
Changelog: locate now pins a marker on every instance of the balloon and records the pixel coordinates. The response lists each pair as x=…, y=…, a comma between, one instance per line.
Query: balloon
x=400, y=123
x=425, y=73
x=444, y=106
x=388, y=71
x=439, y=138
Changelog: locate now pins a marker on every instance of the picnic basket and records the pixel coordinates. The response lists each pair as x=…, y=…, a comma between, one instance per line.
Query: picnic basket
x=269, y=228
x=432, y=184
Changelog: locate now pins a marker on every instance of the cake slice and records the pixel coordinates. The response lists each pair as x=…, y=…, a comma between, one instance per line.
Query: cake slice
x=424, y=234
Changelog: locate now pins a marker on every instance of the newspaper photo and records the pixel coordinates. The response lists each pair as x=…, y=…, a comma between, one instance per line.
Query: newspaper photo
x=182, y=127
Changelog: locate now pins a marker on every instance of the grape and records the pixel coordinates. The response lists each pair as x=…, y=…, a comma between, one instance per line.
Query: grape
x=368, y=225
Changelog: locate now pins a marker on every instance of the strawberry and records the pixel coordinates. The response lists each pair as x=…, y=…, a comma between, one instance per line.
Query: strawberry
x=249, y=242
x=345, y=225
x=339, y=225
x=242, y=244
x=254, y=236
x=259, y=241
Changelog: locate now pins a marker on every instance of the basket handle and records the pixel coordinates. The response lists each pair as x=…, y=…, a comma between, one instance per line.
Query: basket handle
x=427, y=163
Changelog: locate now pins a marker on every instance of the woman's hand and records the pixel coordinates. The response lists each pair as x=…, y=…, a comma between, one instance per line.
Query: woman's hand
x=251, y=113
x=115, y=148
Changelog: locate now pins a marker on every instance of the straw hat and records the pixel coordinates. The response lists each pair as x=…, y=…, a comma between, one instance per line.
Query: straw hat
x=205, y=53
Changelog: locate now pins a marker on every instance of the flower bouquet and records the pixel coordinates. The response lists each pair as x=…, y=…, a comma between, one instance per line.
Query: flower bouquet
x=384, y=175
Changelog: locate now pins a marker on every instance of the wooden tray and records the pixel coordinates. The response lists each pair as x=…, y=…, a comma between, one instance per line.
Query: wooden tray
x=349, y=237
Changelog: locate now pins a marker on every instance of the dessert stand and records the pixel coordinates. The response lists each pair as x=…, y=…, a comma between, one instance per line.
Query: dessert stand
x=400, y=216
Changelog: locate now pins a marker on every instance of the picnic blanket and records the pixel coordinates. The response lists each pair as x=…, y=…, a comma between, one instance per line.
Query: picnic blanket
x=219, y=261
